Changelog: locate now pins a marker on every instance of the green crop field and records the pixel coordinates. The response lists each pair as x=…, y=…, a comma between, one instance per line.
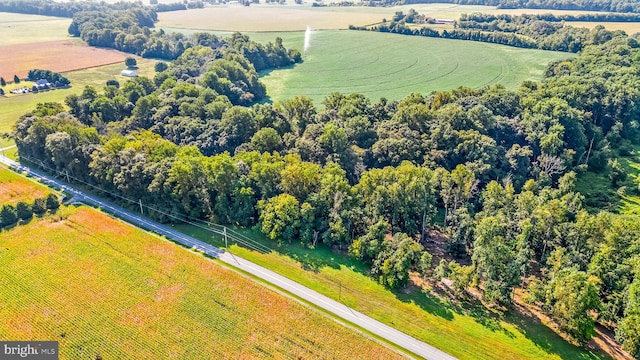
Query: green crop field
x=466, y=330
x=100, y=287
x=15, y=188
x=392, y=66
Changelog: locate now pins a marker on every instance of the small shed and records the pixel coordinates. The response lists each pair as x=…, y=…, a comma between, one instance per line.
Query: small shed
x=129, y=73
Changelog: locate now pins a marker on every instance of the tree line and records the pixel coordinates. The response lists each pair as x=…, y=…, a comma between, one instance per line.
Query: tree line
x=525, y=31
x=621, y=6
x=586, y=17
x=131, y=31
x=69, y=9
x=10, y=214
x=53, y=77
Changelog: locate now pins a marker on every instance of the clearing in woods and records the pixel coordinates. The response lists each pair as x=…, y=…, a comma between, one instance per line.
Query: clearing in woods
x=15, y=188
x=101, y=287
x=393, y=66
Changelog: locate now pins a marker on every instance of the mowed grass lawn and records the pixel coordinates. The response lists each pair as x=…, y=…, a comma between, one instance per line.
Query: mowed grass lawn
x=393, y=66
x=99, y=286
x=15, y=188
x=464, y=330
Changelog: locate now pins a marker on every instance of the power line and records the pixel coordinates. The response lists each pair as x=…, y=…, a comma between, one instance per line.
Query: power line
x=211, y=227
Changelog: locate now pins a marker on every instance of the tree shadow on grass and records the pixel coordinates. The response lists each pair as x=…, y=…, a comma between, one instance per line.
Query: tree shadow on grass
x=545, y=338
x=446, y=309
x=427, y=302
x=530, y=326
x=319, y=257
x=269, y=71
x=26, y=221
x=311, y=259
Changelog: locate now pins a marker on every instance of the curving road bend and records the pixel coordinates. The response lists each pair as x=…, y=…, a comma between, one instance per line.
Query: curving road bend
x=342, y=311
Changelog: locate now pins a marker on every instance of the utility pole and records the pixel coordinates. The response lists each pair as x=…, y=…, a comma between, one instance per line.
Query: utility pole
x=67, y=174
x=140, y=202
x=226, y=245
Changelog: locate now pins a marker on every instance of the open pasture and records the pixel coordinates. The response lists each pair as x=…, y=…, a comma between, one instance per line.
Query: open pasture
x=15, y=188
x=59, y=56
x=101, y=287
x=393, y=66
x=26, y=29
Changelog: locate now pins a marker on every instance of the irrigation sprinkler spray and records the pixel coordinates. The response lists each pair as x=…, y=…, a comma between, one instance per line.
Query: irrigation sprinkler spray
x=307, y=39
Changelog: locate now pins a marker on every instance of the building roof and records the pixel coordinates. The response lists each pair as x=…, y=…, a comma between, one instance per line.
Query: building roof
x=129, y=73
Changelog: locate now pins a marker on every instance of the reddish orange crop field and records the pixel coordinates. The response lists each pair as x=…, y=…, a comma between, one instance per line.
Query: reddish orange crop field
x=15, y=188
x=101, y=287
x=59, y=56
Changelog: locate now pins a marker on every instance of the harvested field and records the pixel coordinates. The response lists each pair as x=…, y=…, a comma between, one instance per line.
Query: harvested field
x=628, y=27
x=60, y=56
x=271, y=17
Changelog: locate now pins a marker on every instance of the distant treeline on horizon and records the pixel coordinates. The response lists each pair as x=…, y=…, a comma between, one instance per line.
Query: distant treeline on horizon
x=69, y=9
x=623, y=6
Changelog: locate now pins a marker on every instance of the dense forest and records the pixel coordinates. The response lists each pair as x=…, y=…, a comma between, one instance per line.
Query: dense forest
x=491, y=169
x=546, y=32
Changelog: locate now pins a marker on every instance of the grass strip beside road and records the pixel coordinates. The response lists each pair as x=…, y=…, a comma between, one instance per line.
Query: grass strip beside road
x=464, y=330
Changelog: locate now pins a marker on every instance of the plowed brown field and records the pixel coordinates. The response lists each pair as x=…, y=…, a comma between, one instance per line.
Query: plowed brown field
x=60, y=56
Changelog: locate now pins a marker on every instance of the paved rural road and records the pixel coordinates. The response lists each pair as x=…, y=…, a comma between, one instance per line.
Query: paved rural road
x=386, y=332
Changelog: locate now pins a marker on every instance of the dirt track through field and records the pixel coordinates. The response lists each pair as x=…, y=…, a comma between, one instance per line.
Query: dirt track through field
x=59, y=56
